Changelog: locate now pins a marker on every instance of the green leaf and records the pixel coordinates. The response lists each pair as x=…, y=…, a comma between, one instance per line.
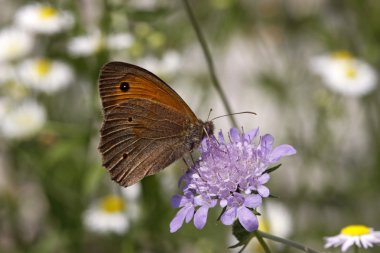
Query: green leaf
x=242, y=235
x=219, y=217
x=270, y=170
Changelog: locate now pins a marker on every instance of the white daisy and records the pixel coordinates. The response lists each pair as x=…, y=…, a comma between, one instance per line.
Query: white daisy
x=345, y=74
x=43, y=18
x=359, y=235
x=14, y=44
x=275, y=219
x=168, y=64
x=131, y=195
x=118, y=41
x=45, y=75
x=4, y=107
x=143, y=4
x=7, y=73
x=85, y=45
x=23, y=120
x=107, y=216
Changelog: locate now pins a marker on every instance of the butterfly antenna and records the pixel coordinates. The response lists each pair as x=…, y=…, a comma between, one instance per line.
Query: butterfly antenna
x=233, y=114
x=209, y=113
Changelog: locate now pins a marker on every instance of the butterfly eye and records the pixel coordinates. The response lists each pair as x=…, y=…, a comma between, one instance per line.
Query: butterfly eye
x=124, y=86
x=130, y=119
x=125, y=155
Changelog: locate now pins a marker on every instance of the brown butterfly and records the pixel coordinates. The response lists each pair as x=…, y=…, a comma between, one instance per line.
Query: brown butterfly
x=147, y=125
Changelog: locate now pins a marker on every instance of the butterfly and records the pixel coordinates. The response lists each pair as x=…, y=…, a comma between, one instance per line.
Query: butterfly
x=146, y=126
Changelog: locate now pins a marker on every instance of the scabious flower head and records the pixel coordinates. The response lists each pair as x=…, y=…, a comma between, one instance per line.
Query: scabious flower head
x=360, y=235
x=231, y=175
x=345, y=74
x=43, y=18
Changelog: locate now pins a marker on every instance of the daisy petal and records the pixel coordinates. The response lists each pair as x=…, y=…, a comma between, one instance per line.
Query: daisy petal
x=348, y=243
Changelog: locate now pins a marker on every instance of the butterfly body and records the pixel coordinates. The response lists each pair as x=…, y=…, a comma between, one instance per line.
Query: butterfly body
x=147, y=126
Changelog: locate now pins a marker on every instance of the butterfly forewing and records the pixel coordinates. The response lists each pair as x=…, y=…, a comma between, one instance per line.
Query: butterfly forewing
x=119, y=81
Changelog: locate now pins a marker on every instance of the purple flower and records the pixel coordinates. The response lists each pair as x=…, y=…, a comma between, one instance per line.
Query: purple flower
x=231, y=174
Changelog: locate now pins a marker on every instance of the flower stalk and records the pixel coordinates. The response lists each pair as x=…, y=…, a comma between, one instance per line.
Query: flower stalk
x=209, y=60
x=287, y=242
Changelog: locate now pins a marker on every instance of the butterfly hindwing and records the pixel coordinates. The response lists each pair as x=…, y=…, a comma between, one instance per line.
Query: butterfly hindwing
x=137, y=141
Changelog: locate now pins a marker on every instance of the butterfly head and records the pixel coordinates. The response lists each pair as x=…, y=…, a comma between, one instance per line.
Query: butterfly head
x=208, y=129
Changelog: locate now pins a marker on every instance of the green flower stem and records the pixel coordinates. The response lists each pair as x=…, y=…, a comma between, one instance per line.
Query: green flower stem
x=262, y=242
x=287, y=242
x=209, y=60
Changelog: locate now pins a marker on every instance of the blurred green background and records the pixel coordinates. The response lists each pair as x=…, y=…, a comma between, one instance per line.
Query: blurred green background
x=50, y=168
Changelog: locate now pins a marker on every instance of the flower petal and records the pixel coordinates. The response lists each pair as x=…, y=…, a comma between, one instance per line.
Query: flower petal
x=247, y=219
x=264, y=178
x=223, y=202
x=263, y=191
x=228, y=217
x=177, y=201
x=348, y=243
x=251, y=135
x=280, y=151
x=178, y=219
x=189, y=214
x=200, y=217
x=266, y=144
x=204, y=144
x=253, y=201
x=221, y=137
x=235, y=135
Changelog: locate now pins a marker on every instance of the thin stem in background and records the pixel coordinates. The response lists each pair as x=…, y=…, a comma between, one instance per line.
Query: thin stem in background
x=262, y=242
x=287, y=242
x=209, y=60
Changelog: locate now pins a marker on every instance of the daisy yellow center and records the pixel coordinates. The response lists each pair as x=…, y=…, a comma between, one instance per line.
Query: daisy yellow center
x=43, y=67
x=47, y=12
x=346, y=58
x=355, y=230
x=263, y=225
x=351, y=72
x=24, y=120
x=13, y=48
x=342, y=55
x=112, y=204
